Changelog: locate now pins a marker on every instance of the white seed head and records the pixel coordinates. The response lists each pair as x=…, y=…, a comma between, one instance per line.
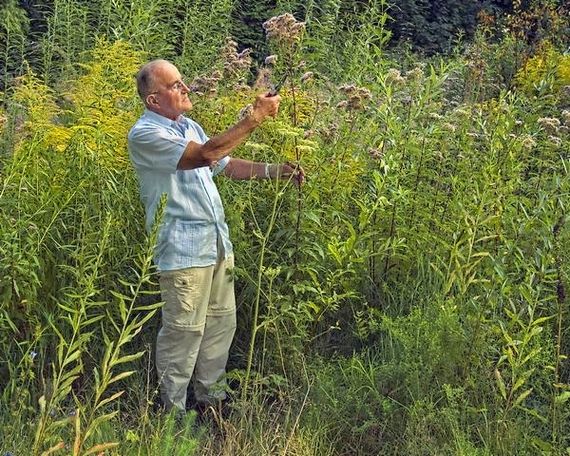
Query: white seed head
x=271, y=59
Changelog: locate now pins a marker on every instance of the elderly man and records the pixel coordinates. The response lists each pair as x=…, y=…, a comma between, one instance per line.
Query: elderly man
x=172, y=155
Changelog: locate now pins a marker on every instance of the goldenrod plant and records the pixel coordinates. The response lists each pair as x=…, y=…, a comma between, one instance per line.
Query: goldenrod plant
x=409, y=298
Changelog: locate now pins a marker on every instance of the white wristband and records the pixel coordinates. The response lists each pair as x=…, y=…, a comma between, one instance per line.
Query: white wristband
x=267, y=175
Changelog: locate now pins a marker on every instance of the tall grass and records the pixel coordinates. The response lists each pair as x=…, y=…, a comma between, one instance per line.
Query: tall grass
x=409, y=299
x=14, y=26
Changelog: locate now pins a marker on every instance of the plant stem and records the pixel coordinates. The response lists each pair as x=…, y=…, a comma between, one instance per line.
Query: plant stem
x=255, y=327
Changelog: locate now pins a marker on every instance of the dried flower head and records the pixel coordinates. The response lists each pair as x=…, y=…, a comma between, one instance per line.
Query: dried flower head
x=284, y=29
x=395, y=76
x=307, y=76
x=271, y=59
x=329, y=133
x=566, y=117
x=241, y=87
x=449, y=126
x=549, y=124
x=205, y=84
x=416, y=74
x=375, y=154
x=528, y=142
x=356, y=97
x=555, y=140
x=263, y=80
x=235, y=63
x=348, y=89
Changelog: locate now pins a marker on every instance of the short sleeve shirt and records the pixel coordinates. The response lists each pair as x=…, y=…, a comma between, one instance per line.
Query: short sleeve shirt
x=193, y=227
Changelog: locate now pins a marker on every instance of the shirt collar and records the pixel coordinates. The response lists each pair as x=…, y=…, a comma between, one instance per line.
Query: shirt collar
x=165, y=121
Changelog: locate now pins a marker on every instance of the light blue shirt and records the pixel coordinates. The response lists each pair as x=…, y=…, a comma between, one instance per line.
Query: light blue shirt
x=193, y=227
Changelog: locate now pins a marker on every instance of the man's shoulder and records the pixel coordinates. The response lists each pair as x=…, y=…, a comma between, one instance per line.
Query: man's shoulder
x=143, y=125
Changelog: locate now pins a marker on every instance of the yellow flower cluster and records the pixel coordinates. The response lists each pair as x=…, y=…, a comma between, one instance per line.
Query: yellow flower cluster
x=548, y=63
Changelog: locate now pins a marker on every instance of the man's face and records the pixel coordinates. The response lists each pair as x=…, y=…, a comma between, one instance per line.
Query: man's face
x=169, y=96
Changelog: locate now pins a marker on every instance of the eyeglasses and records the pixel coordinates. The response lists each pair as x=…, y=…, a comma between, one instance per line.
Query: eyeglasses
x=178, y=86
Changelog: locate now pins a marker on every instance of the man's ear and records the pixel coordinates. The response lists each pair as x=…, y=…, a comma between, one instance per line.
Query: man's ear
x=151, y=100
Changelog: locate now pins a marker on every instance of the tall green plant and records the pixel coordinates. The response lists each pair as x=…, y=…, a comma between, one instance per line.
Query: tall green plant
x=14, y=27
x=66, y=37
x=202, y=26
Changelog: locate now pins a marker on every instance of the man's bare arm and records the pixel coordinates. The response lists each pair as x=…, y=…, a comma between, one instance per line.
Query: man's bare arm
x=240, y=169
x=196, y=155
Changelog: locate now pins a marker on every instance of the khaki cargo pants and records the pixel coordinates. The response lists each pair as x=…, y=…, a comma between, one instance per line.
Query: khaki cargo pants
x=198, y=326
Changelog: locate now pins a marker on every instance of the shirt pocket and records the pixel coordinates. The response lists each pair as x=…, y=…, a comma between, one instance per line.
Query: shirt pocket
x=195, y=242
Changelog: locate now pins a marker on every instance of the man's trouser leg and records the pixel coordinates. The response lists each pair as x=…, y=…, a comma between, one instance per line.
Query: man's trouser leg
x=191, y=319
x=218, y=336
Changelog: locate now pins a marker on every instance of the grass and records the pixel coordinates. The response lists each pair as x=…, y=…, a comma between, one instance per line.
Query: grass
x=409, y=300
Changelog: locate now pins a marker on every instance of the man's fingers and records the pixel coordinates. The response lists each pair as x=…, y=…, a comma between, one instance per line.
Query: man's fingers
x=267, y=105
x=295, y=172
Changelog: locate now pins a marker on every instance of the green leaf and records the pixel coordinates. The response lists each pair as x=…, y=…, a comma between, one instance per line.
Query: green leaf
x=542, y=445
x=98, y=421
x=72, y=357
x=128, y=358
x=54, y=449
x=146, y=318
x=109, y=399
x=150, y=306
x=522, y=397
x=562, y=398
x=92, y=320
x=120, y=376
x=542, y=320
x=101, y=448
x=520, y=382
x=501, y=384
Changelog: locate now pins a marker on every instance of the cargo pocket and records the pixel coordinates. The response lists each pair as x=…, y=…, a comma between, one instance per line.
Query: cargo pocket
x=222, y=299
x=180, y=292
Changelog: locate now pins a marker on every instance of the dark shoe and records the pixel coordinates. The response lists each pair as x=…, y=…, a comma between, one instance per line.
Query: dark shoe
x=216, y=412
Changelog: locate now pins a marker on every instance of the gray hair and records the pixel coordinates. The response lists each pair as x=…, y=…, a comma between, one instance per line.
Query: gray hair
x=145, y=77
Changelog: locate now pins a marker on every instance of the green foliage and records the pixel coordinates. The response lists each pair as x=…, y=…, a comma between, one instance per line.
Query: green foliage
x=200, y=30
x=248, y=17
x=351, y=399
x=546, y=72
x=67, y=35
x=432, y=230
x=14, y=27
x=433, y=25
x=177, y=436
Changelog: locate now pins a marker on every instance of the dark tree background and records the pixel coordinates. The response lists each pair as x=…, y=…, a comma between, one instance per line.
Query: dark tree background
x=427, y=26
